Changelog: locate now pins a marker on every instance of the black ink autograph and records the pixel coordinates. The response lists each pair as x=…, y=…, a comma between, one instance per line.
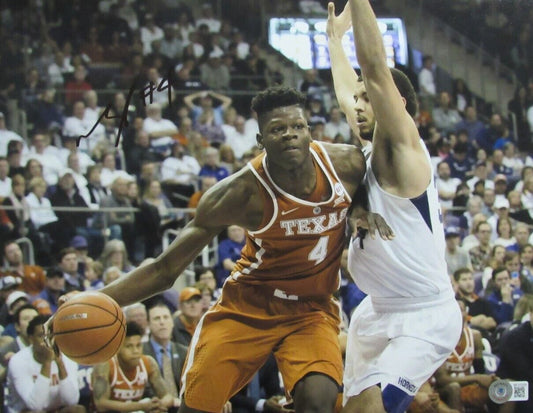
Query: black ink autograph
x=146, y=92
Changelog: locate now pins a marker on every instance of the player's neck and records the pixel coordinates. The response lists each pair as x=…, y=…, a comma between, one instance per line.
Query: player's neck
x=299, y=181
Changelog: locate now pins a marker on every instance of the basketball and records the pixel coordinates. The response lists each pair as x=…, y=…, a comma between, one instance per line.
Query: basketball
x=89, y=328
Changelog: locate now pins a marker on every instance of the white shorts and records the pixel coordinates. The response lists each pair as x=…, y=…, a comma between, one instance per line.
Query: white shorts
x=399, y=348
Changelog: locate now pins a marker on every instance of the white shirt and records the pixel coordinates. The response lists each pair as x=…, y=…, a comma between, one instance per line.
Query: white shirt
x=5, y=187
x=427, y=83
x=41, y=211
x=52, y=165
x=5, y=137
x=148, y=36
x=212, y=23
x=239, y=142
x=107, y=176
x=183, y=170
x=332, y=129
x=77, y=127
x=84, y=159
x=448, y=185
x=30, y=390
x=151, y=125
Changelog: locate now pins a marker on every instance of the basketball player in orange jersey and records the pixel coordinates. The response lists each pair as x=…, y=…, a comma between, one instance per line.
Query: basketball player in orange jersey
x=468, y=354
x=293, y=200
x=119, y=384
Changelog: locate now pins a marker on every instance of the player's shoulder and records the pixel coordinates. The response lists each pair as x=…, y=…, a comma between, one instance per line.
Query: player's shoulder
x=348, y=160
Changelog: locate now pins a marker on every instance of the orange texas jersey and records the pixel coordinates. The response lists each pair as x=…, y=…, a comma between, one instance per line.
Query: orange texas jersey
x=297, y=249
x=462, y=358
x=128, y=387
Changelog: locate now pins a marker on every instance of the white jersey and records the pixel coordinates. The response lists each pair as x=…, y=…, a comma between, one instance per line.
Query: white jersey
x=409, y=271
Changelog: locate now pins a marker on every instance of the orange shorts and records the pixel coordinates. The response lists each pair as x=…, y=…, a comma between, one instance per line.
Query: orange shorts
x=234, y=339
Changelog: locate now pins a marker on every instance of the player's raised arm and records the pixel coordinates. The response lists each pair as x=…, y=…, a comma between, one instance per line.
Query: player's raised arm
x=399, y=158
x=345, y=80
x=223, y=205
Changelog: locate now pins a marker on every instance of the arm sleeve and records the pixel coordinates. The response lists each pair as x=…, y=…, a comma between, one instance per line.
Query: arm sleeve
x=68, y=387
x=34, y=394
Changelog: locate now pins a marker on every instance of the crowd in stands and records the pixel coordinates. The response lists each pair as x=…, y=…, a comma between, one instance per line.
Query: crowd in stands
x=132, y=114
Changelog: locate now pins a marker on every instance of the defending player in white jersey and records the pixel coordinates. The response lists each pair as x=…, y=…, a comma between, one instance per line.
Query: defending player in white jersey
x=410, y=322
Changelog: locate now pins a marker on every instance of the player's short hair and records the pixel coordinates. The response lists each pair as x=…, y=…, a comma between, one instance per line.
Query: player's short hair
x=406, y=89
x=276, y=97
x=35, y=322
x=133, y=329
x=457, y=274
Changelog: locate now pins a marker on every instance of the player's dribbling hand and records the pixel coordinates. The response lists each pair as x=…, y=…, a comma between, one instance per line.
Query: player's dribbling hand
x=337, y=26
x=48, y=326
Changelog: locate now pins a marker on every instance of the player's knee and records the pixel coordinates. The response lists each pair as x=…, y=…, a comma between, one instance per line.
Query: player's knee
x=315, y=394
x=395, y=400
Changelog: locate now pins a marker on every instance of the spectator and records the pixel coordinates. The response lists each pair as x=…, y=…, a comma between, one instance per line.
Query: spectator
x=110, y=172
x=474, y=206
x=20, y=216
x=470, y=123
x=500, y=186
x=500, y=210
x=80, y=164
x=337, y=125
x=23, y=316
x=137, y=313
x=68, y=263
x=115, y=255
x=213, y=73
x=120, y=223
x=211, y=131
x=487, y=137
x=189, y=313
x=504, y=229
x=160, y=130
x=111, y=274
x=7, y=136
x=481, y=173
x=461, y=96
x=518, y=106
x=32, y=277
x=479, y=309
x=68, y=195
x=495, y=261
x=460, y=164
x=208, y=18
x=516, y=358
x=179, y=173
x=38, y=379
x=97, y=191
x=76, y=126
x=93, y=274
x=5, y=180
x=212, y=166
x=446, y=185
x=47, y=155
x=479, y=255
x=444, y=116
x=150, y=32
x=504, y=297
x=206, y=105
x=163, y=350
x=456, y=256
x=119, y=383
x=426, y=82
x=75, y=88
x=47, y=301
x=229, y=251
x=521, y=234
x=171, y=43
x=512, y=160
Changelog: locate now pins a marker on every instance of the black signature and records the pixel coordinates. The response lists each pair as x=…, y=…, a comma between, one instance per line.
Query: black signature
x=146, y=92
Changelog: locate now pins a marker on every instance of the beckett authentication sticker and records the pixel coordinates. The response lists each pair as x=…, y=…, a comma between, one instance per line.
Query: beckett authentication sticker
x=501, y=391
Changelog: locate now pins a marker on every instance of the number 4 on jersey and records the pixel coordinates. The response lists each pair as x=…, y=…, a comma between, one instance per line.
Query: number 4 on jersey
x=320, y=250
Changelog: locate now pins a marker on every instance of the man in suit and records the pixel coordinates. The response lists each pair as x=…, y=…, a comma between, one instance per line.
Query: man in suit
x=160, y=347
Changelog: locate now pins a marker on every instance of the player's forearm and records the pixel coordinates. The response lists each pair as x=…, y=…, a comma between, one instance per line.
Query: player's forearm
x=148, y=280
x=344, y=77
x=371, y=51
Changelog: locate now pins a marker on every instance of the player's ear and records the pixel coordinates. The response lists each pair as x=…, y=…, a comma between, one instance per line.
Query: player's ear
x=404, y=101
x=259, y=139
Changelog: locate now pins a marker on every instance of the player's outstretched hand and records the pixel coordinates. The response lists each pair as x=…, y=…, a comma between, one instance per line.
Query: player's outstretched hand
x=337, y=26
x=372, y=223
x=49, y=325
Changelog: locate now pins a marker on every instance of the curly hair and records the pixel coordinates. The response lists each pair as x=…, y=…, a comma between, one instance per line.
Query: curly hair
x=276, y=97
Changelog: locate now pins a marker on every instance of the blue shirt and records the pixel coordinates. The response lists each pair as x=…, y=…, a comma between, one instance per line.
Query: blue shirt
x=158, y=350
